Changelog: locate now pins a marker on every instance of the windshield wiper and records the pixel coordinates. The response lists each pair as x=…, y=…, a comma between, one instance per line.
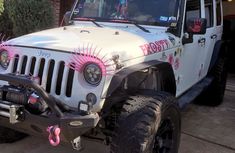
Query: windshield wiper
x=140, y=27
x=132, y=22
x=89, y=19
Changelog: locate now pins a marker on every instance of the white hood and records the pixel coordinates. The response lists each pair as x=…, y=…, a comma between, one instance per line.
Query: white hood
x=125, y=42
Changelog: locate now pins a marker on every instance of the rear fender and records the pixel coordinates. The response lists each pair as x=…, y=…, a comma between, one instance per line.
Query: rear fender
x=220, y=50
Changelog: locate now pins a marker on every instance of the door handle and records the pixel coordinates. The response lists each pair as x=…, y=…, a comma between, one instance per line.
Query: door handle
x=202, y=41
x=214, y=36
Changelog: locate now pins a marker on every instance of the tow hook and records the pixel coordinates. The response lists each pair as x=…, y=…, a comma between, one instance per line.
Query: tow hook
x=54, y=135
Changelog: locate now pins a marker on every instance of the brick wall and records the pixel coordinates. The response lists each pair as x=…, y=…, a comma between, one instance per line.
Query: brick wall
x=56, y=5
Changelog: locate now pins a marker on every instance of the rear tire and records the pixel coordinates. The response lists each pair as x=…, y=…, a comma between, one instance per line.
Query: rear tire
x=149, y=123
x=214, y=95
x=9, y=136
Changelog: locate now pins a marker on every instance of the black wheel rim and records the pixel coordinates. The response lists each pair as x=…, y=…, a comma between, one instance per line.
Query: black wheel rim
x=164, y=138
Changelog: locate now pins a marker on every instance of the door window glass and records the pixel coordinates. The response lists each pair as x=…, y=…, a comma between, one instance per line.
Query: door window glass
x=209, y=12
x=193, y=9
x=218, y=12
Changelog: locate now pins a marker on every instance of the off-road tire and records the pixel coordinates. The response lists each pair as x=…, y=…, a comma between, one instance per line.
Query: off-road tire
x=214, y=95
x=9, y=136
x=141, y=122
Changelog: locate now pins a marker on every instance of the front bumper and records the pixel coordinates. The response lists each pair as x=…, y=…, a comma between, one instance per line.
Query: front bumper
x=71, y=123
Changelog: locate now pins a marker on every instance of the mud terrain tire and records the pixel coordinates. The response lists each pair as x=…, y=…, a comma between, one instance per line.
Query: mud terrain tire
x=149, y=123
x=214, y=95
x=9, y=136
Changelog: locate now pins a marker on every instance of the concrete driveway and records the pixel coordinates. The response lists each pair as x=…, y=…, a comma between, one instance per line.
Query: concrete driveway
x=204, y=130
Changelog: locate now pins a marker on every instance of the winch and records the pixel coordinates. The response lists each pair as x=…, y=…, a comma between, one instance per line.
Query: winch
x=23, y=96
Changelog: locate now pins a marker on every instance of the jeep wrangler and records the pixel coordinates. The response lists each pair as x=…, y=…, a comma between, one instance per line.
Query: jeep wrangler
x=118, y=72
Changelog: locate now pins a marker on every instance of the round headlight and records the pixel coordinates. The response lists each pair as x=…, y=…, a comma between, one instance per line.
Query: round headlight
x=92, y=74
x=4, y=59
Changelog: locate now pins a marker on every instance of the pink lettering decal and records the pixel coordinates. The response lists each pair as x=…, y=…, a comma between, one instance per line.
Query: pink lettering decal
x=167, y=43
x=162, y=44
x=154, y=47
x=159, y=48
x=144, y=49
x=148, y=49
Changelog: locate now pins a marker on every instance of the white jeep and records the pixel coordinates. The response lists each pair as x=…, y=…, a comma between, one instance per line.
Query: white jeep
x=119, y=72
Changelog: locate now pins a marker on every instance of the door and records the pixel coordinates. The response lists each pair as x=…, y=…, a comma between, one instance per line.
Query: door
x=212, y=35
x=191, y=55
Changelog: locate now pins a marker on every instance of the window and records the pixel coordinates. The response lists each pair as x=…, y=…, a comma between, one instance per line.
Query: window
x=193, y=9
x=150, y=12
x=218, y=12
x=209, y=12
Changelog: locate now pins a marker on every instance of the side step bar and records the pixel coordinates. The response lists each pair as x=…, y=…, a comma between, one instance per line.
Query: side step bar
x=194, y=92
x=15, y=113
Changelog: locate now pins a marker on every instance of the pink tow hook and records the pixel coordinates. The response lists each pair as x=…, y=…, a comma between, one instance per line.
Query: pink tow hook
x=54, y=135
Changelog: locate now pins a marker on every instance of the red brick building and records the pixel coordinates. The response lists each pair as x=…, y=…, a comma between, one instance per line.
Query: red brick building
x=61, y=6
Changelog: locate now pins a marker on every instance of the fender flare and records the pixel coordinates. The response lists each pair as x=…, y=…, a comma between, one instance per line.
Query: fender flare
x=217, y=52
x=166, y=71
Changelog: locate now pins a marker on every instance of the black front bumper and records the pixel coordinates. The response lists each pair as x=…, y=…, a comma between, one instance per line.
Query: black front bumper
x=71, y=123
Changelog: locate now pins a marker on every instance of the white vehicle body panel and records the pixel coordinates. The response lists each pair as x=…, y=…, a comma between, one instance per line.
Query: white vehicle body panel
x=190, y=62
x=127, y=45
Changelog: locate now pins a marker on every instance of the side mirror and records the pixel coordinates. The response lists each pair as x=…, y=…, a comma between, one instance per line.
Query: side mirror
x=196, y=26
x=67, y=18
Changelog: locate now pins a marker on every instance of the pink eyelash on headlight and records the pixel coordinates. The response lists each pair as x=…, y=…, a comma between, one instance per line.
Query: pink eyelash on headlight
x=85, y=55
x=2, y=37
x=11, y=52
x=7, y=47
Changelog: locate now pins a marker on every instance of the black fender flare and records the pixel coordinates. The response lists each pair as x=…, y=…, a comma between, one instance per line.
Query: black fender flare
x=167, y=76
x=217, y=52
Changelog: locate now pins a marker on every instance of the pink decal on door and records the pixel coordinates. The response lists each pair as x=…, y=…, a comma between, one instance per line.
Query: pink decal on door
x=171, y=59
x=177, y=64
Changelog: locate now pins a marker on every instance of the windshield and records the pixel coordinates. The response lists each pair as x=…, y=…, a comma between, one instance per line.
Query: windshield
x=148, y=12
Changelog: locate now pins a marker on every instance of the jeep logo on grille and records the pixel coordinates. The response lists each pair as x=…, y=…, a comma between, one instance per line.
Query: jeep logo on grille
x=43, y=54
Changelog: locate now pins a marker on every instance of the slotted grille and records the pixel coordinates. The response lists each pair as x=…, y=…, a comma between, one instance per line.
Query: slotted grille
x=54, y=76
x=59, y=78
x=70, y=81
x=23, y=66
x=32, y=65
x=50, y=74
